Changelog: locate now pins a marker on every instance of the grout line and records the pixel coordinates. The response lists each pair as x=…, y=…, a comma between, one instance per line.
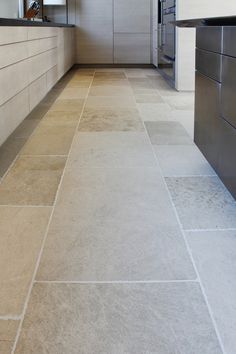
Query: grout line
x=116, y=281
x=209, y=230
x=46, y=232
x=10, y=318
x=188, y=250
x=25, y=206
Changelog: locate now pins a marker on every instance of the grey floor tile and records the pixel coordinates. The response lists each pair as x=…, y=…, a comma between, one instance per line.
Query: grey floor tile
x=186, y=118
x=111, y=149
x=215, y=257
x=202, y=202
x=114, y=224
x=182, y=160
x=155, y=112
x=167, y=133
x=8, y=329
x=117, y=319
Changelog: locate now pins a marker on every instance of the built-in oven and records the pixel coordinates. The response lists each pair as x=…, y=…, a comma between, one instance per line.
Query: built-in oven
x=166, y=47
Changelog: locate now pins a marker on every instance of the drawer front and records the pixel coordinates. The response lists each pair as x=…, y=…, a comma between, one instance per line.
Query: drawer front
x=210, y=38
x=228, y=91
x=209, y=64
x=227, y=162
x=207, y=116
x=229, y=43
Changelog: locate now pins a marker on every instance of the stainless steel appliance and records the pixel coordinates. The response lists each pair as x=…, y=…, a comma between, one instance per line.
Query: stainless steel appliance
x=166, y=47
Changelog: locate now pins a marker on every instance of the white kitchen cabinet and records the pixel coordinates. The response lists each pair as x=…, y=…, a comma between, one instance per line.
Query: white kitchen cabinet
x=94, y=35
x=132, y=16
x=132, y=48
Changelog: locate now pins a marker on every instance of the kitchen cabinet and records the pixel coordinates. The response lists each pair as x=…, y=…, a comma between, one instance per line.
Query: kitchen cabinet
x=131, y=48
x=94, y=32
x=132, y=16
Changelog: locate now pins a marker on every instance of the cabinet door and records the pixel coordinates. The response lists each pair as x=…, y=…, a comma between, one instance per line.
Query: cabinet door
x=207, y=116
x=132, y=16
x=94, y=21
x=227, y=159
x=228, y=94
x=132, y=48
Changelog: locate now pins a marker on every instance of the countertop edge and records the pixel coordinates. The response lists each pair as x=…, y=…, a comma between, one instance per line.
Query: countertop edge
x=209, y=21
x=14, y=22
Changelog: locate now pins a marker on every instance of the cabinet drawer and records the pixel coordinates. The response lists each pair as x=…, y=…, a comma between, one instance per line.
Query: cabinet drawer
x=229, y=44
x=227, y=161
x=207, y=116
x=228, y=92
x=210, y=38
x=209, y=64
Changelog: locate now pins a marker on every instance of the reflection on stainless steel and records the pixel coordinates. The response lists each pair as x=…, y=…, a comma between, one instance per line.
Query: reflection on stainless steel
x=166, y=50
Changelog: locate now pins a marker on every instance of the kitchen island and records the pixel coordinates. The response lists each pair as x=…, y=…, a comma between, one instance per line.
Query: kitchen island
x=215, y=95
x=33, y=57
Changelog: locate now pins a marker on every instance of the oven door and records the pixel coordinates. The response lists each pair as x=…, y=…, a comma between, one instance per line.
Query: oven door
x=169, y=36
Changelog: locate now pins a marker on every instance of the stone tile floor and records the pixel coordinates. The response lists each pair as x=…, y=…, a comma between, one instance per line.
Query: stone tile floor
x=116, y=236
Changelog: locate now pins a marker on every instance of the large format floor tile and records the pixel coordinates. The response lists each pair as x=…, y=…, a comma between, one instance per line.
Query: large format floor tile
x=215, y=257
x=8, y=331
x=8, y=152
x=68, y=105
x=202, y=202
x=167, y=133
x=182, y=160
x=50, y=140
x=111, y=149
x=22, y=231
x=33, y=180
x=105, y=119
x=110, y=90
x=96, y=102
x=117, y=319
x=114, y=224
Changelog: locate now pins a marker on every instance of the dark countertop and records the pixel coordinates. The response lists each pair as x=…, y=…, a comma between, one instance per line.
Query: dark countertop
x=22, y=22
x=211, y=21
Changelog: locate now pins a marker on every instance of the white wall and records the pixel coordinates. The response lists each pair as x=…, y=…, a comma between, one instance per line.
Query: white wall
x=185, y=37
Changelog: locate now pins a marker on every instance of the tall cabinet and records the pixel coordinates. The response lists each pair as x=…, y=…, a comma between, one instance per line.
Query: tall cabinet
x=114, y=31
x=132, y=31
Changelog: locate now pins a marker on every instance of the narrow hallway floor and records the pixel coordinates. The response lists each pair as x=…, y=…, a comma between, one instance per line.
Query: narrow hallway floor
x=116, y=235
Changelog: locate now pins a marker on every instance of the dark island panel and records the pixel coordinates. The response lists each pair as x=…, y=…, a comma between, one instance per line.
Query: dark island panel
x=211, y=21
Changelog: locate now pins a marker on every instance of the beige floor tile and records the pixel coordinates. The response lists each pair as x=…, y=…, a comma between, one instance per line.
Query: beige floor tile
x=8, y=152
x=112, y=101
x=79, y=83
x=148, y=98
x=50, y=140
x=74, y=93
x=8, y=331
x=110, y=82
x=110, y=75
x=32, y=181
x=155, y=111
x=22, y=230
x=111, y=149
x=61, y=118
x=110, y=90
x=69, y=105
x=110, y=120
